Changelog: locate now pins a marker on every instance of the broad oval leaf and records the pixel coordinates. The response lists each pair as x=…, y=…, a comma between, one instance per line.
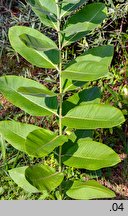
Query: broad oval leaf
x=35, y=47
x=84, y=21
x=41, y=142
x=92, y=65
x=15, y=133
x=21, y=92
x=46, y=14
x=92, y=116
x=18, y=176
x=90, y=155
x=43, y=177
x=89, y=190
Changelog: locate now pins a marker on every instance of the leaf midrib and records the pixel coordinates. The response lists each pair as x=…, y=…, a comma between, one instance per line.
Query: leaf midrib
x=77, y=72
x=92, y=187
x=43, y=178
x=86, y=158
x=87, y=118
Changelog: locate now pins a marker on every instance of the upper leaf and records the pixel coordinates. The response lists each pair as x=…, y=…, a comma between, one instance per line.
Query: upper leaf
x=92, y=116
x=18, y=176
x=91, y=155
x=22, y=92
x=41, y=142
x=89, y=190
x=50, y=5
x=84, y=21
x=35, y=47
x=46, y=11
x=92, y=65
x=68, y=6
x=43, y=177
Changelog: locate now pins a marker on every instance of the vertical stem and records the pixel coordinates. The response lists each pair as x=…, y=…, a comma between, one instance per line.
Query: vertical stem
x=60, y=80
x=60, y=85
x=3, y=150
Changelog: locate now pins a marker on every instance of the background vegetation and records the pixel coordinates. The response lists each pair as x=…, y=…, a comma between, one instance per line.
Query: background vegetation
x=114, y=91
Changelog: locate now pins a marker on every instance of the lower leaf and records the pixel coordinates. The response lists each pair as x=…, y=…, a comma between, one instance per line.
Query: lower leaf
x=42, y=142
x=43, y=177
x=15, y=133
x=91, y=155
x=18, y=176
x=89, y=190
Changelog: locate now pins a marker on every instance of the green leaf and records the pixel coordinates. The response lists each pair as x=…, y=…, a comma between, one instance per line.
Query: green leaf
x=90, y=155
x=35, y=47
x=92, y=65
x=32, y=2
x=92, y=116
x=68, y=6
x=18, y=176
x=89, y=17
x=10, y=87
x=49, y=5
x=3, y=148
x=43, y=177
x=41, y=142
x=33, y=140
x=35, y=43
x=69, y=85
x=15, y=133
x=89, y=190
x=82, y=134
x=46, y=11
x=91, y=95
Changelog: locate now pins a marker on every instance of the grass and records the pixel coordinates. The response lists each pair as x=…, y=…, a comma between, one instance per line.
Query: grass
x=114, y=91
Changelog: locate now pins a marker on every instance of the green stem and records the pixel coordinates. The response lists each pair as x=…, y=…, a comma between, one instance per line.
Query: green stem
x=60, y=83
x=3, y=150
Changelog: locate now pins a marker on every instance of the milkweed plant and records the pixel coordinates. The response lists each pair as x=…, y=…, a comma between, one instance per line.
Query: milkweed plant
x=77, y=114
